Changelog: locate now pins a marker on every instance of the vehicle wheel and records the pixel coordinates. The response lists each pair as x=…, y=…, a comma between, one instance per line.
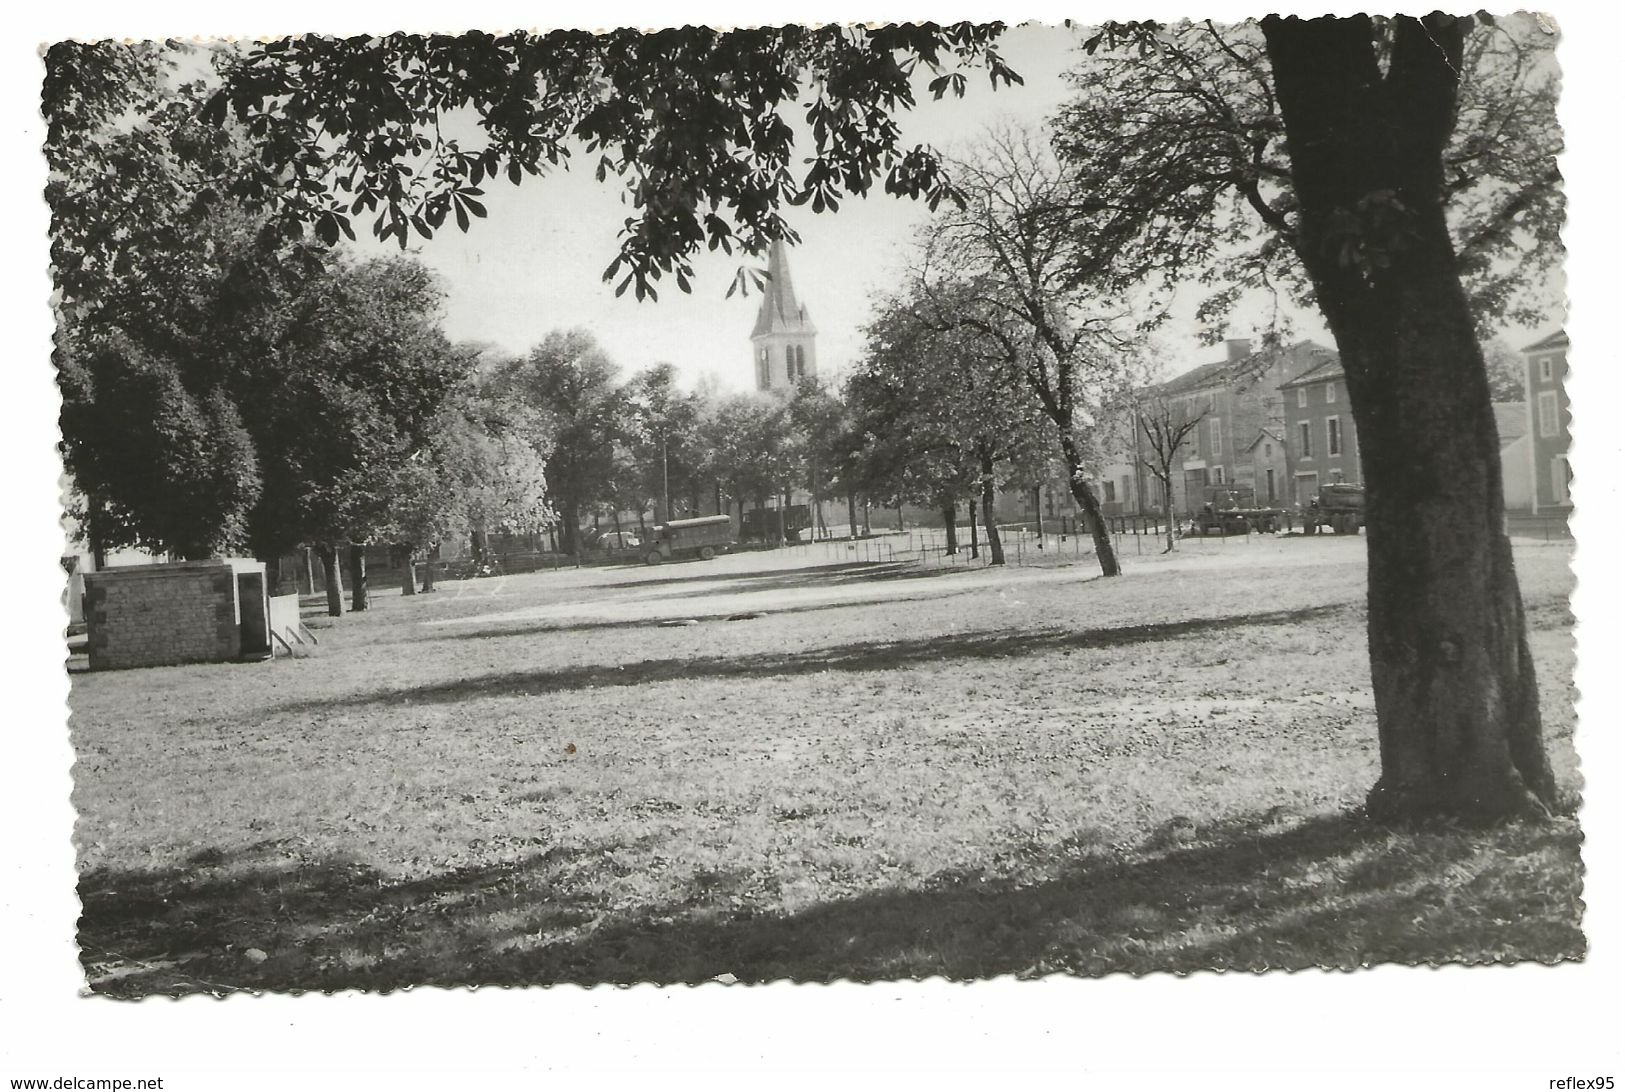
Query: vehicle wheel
x=653, y=557
x=707, y=553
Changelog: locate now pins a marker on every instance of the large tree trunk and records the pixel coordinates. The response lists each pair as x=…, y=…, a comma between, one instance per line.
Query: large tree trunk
x=430, y=556
x=852, y=513
x=1077, y=479
x=408, y=577
x=358, y=576
x=330, y=579
x=975, y=550
x=1038, y=514
x=995, y=546
x=1458, y=715
x=950, y=516
x=570, y=525
x=94, y=536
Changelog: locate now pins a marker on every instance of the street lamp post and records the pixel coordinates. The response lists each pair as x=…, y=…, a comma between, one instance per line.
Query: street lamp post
x=665, y=478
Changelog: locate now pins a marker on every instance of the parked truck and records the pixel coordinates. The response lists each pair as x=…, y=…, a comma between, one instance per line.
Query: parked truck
x=764, y=524
x=703, y=537
x=1234, y=510
x=1340, y=507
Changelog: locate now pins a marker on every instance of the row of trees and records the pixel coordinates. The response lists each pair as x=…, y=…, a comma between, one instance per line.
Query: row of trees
x=229, y=387
x=643, y=445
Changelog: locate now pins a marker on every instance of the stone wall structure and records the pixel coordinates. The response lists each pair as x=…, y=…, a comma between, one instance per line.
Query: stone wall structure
x=176, y=613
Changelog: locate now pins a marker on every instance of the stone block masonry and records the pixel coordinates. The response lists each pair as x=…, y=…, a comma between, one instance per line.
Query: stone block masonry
x=185, y=612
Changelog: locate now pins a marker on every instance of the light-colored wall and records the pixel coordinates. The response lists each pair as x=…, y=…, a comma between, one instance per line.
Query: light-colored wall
x=1517, y=482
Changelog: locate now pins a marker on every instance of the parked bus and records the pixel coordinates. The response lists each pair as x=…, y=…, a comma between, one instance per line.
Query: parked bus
x=703, y=538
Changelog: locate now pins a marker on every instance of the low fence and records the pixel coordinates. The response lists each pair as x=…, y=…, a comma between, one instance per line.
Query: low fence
x=1541, y=528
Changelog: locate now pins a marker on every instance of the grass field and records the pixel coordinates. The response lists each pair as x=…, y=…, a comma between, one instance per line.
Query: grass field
x=788, y=765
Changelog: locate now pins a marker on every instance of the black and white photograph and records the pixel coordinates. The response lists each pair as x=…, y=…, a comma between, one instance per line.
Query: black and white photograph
x=988, y=505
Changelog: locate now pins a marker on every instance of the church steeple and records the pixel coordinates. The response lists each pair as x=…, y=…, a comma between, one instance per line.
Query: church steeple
x=782, y=341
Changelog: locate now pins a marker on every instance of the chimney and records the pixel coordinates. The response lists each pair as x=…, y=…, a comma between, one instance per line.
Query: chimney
x=1237, y=348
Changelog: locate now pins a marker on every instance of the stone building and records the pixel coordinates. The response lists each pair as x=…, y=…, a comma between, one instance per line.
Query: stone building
x=1243, y=414
x=1322, y=446
x=177, y=612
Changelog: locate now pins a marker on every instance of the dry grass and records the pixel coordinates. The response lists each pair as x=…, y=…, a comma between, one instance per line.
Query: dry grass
x=886, y=773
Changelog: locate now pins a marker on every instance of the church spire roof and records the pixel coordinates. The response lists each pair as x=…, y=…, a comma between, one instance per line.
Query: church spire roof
x=780, y=312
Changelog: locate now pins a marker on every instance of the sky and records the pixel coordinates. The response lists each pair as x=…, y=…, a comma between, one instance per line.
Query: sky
x=534, y=265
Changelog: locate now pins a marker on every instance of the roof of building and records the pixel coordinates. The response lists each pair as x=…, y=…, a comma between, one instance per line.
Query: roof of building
x=1511, y=420
x=1263, y=434
x=1559, y=340
x=1244, y=371
x=1330, y=367
x=781, y=312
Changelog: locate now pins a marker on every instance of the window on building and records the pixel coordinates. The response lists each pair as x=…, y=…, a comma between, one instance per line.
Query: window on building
x=1545, y=366
x=1108, y=491
x=1269, y=449
x=1331, y=392
x=1334, y=436
x=1305, y=447
x=1269, y=484
x=1213, y=436
x=1218, y=475
x=1303, y=397
x=1546, y=404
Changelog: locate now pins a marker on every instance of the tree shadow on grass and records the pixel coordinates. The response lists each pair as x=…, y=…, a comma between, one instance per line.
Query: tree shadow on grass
x=532, y=629
x=836, y=573
x=1331, y=891
x=855, y=657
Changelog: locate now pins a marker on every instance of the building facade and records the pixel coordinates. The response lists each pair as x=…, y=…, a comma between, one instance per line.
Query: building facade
x=1322, y=447
x=783, y=342
x=1546, y=367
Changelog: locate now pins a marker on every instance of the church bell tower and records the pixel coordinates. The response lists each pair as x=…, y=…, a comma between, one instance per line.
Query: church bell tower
x=783, y=340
